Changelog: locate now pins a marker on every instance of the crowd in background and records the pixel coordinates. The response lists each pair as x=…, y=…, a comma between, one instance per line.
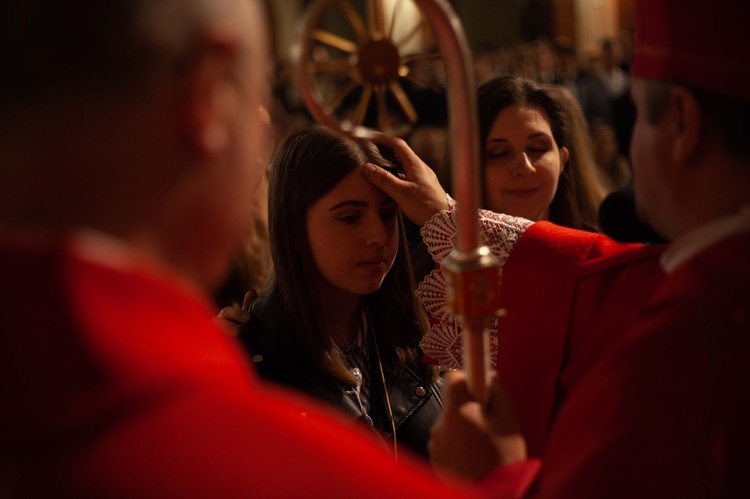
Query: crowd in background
x=597, y=78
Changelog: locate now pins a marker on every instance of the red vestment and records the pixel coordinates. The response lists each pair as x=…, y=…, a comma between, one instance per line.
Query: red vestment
x=666, y=414
x=566, y=296
x=117, y=383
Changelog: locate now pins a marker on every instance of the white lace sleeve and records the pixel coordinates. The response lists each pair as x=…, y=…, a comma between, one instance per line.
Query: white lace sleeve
x=499, y=233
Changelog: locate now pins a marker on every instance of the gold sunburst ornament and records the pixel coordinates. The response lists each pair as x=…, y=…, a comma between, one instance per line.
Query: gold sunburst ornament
x=368, y=68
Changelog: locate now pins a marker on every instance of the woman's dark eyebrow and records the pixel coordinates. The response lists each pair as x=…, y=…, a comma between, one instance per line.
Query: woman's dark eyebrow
x=539, y=134
x=350, y=202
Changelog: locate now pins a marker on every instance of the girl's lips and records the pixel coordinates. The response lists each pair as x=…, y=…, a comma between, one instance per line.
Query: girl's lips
x=372, y=263
x=374, y=267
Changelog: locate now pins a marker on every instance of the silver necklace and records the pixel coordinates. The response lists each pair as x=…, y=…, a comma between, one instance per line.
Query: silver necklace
x=385, y=387
x=357, y=373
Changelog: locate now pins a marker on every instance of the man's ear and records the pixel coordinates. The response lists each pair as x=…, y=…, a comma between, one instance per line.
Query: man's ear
x=687, y=123
x=205, y=95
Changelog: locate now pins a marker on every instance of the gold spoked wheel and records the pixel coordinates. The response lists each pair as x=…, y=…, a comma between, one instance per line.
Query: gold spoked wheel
x=361, y=80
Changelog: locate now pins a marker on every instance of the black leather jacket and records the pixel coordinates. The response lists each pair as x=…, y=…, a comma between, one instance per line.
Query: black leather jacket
x=415, y=407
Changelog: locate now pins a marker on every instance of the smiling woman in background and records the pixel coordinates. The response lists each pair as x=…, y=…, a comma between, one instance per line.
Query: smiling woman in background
x=531, y=165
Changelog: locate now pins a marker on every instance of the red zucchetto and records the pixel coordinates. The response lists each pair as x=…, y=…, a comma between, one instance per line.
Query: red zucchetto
x=700, y=43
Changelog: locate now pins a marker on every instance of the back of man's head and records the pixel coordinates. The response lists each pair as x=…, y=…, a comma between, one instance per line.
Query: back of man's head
x=703, y=48
x=50, y=48
x=138, y=118
x=691, y=84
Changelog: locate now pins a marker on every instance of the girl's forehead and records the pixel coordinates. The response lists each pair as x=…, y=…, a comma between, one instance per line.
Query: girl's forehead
x=355, y=187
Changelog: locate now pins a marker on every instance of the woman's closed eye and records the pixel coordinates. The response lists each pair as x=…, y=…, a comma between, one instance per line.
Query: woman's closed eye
x=539, y=146
x=497, y=153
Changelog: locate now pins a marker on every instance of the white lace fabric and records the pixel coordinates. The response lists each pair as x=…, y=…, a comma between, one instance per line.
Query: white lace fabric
x=500, y=233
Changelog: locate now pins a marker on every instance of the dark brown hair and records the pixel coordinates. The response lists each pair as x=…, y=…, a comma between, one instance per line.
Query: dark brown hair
x=307, y=165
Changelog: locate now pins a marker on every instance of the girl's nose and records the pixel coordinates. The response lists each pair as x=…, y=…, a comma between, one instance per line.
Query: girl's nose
x=378, y=233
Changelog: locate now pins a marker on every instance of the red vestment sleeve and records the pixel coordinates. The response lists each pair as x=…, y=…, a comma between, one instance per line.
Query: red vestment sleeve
x=567, y=295
x=664, y=413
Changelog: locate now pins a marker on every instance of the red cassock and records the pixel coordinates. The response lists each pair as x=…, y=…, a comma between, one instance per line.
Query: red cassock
x=116, y=383
x=568, y=296
x=667, y=413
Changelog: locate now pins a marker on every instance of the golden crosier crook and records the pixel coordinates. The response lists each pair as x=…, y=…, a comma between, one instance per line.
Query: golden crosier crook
x=375, y=65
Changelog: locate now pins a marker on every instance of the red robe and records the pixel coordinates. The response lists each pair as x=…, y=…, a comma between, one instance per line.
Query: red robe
x=115, y=382
x=568, y=295
x=666, y=414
